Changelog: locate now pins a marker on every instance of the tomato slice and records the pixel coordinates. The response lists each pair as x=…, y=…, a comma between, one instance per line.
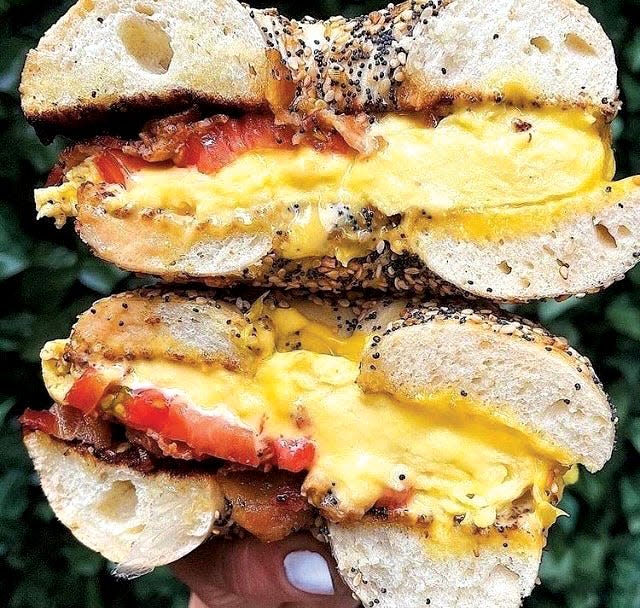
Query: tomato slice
x=206, y=434
x=190, y=152
x=115, y=166
x=86, y=392
x=130, y=163
x=293, y=455
x=220, y=145
x=148, y=410
x=110, y=168
x=210, y=435
x=226, y=141
x=215, y=436
x=394, y=499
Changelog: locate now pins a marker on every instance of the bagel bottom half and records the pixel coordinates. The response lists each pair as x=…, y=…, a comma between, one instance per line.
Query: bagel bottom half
x=165, y=515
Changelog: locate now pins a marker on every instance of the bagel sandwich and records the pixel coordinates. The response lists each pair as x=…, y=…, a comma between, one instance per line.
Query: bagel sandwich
x=428, y=443
x=456, y=146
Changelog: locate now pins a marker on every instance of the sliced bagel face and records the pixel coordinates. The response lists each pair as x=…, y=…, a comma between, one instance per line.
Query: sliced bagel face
x=136, y=520
x=106, y=58
x=583, y=253
x=392, y=566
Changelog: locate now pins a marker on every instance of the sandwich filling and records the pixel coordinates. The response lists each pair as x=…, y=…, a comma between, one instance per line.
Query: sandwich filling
x=490, y=171
x=441, y=460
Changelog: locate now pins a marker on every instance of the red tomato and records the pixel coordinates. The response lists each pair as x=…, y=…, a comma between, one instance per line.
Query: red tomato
x=115, y=166
x=148, y=410
x=214, y=153
x=394, y=499
x=293, y=455
x=43, y=421
x=110, y=168
x=130, y=163
x=214, y=436
x=87, y=390
x=224, y=142
x=151, y=410
x=190, y=152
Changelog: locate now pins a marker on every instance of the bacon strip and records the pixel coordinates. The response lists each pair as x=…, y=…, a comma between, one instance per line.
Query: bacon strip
x=69, y=424
x=210, y=143
x=269, y=505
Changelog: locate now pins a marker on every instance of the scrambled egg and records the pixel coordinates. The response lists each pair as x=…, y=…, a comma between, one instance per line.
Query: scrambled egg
x=484, y=172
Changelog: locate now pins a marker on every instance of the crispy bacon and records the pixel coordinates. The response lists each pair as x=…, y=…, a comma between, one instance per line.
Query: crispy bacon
x=159, y=447
x=269, y=505
x=165, y=139
x=210, y=143
x=69, y=424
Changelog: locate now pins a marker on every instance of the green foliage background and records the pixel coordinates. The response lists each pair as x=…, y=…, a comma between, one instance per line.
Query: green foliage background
x=47, y=277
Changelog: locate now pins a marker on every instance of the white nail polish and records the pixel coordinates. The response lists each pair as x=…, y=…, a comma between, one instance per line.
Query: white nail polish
x=309, y=572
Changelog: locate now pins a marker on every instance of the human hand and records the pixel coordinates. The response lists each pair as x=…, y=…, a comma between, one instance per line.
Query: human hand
x=297, y=572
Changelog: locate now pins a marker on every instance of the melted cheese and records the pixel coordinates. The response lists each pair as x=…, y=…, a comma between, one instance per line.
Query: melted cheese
x=464, y=465
x=480, y=172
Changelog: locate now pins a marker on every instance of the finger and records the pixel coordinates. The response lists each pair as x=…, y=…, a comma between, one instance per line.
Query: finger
x=298, y=571
x=196, y=602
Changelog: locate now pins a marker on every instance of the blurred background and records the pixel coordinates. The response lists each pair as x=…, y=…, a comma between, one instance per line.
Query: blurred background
x=47, y=277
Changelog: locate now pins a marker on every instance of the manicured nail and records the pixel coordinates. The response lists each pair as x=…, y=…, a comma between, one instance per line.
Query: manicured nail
x=309, y=572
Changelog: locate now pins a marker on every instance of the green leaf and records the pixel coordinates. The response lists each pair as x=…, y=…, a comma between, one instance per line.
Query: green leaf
x=625, y=591
x=100, y=276
x=14, y=329
x=630, y=495
x=631, y=88
x=624, y=316
x=551, y=310
x=53, y=257
x=86, y=562
x=632, y=432
x=13, y=245
x=13, y=495
x=5, y=406
x=632, y=52
x=556, y=570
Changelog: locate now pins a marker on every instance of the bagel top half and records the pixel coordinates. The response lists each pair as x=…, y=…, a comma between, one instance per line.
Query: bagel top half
x=452, y=147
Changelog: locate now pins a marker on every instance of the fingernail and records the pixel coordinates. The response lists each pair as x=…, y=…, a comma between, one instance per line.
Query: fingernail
x=308, y=572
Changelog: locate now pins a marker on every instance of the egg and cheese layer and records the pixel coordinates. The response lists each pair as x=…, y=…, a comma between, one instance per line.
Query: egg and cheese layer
x=462, y=467
x=484, y=172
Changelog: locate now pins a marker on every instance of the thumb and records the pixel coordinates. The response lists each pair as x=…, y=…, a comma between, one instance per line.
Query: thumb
x=247, y=573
